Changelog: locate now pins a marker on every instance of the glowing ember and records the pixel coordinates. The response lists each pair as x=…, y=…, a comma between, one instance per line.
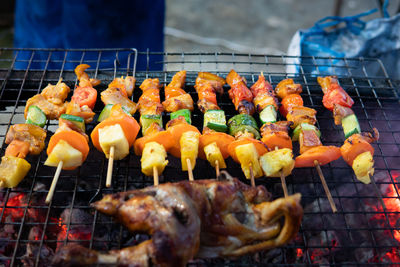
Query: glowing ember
x=74, y=234
x=15, y=201
x=299, y=253
x=392, y=203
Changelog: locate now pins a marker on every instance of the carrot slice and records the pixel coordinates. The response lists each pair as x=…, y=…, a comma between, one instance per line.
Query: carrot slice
x=260, y=147
x=354, y=146
x=222, y=139
x=323, y=154
x=75, y=139
x=17, y=148
x=277, y=139
x=176, y=133
x=164, y=138
x=117, y=116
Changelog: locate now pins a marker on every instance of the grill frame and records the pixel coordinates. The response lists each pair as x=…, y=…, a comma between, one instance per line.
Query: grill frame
x=364, y=88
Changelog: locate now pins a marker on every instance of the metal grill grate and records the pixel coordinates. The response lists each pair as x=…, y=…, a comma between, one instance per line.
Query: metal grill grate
x=365, y=231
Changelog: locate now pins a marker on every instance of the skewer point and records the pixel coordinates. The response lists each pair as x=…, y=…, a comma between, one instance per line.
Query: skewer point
x=283, y=181
x=155, y=175
x=190, y=171
x=253, y=182
x=54, y=182
x=326, y=188
x=110, y=167
x=217, y=173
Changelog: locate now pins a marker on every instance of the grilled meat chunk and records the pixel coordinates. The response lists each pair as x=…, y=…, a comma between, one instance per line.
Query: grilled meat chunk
x=29, y=133
x=175, y=97
x=287, y=87
x=264, y=94
x=56, y=94
x=114, y=96
x=128, y=83
x=240, y=95
x=84, y=112
x=339, y=112
x=299, y=115
x=202, y=218
x=149, y=101
x=52, y=111
x=207, y=86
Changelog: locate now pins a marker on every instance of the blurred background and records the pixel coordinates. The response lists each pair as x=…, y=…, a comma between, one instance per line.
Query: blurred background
x=232, y=25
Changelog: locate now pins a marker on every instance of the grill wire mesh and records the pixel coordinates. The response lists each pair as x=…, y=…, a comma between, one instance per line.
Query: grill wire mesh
x=364, y=232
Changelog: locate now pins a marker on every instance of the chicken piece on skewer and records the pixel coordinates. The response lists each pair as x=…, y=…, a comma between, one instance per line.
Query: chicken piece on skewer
x=276, y=135
x=358, y=152
x=193, y=219
x=246, y=149
x=207, y=86
x=186, y=142
x=241, y=96
x=73, y=108
x=278, y=162
x=149, y=101
x=56, y=94
x=264, y=95
x=175, y=97
x=125, y=84
x=22, y=139
x=156, y=141
x=213, y=143
x=69, y=144
x=31, y=134
x=50, y=101
x=118, y=92
x=113, y=95
x=83, y=77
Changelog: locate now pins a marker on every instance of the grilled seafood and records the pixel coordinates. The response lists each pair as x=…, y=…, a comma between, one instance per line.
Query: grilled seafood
x=188, y=219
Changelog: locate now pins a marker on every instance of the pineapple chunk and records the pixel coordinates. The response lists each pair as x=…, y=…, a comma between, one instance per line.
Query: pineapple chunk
x=114, y=136
x=248, y=156
x=363, y=166
x=64, y=152
x=278, y=160
x=13, y=170
x=153, y=154
x=189, y=148
x=214, y=154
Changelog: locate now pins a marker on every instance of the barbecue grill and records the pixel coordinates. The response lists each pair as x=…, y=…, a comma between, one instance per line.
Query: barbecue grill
x=365, y=230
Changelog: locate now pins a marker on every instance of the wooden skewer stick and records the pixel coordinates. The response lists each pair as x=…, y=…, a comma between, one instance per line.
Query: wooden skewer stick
x=155, y=175
x=253, y=182
x=190, y=171
x=110, y=167
x=326, y=188
x=217, y=173
x=283, y=181
x=54, y=182
x=283, y=178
